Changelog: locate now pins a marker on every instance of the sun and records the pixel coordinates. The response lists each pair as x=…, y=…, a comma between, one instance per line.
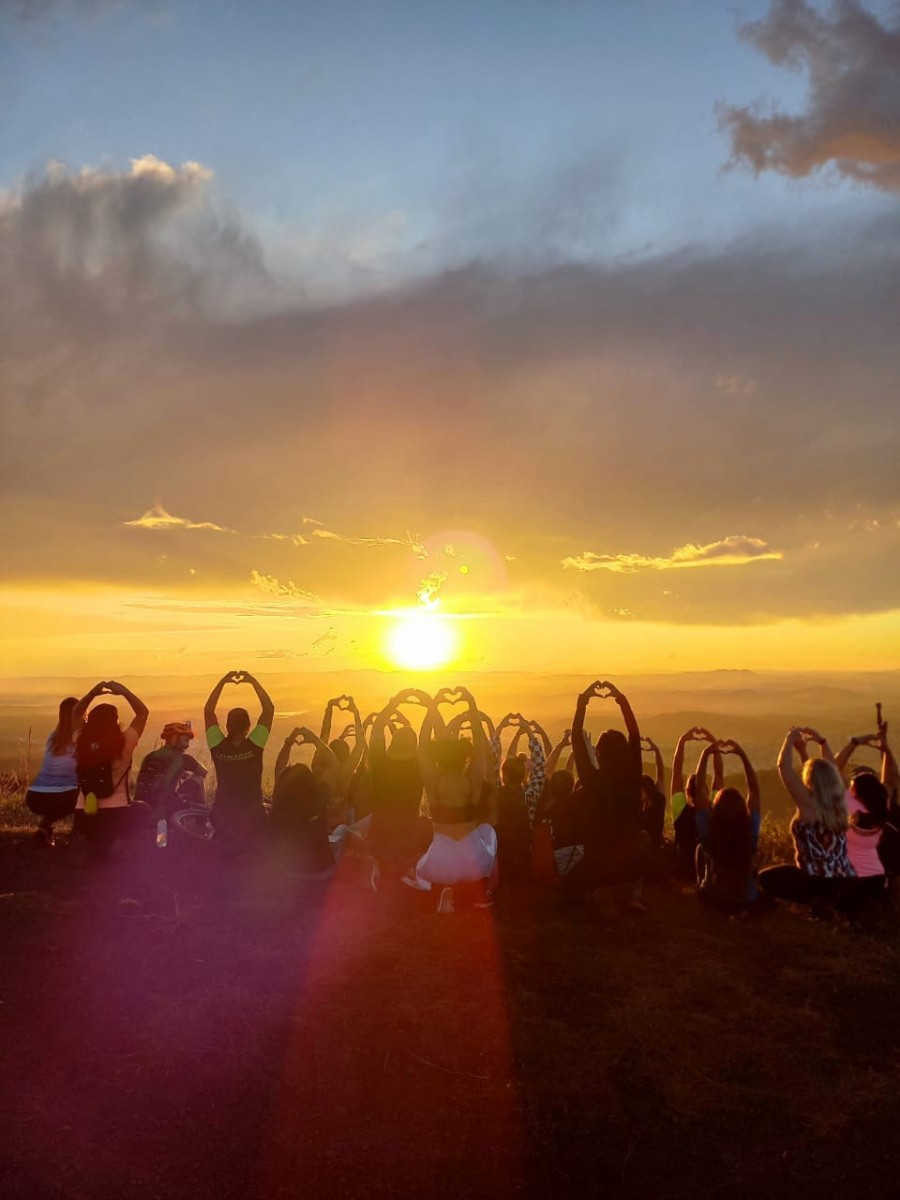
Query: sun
x=421, y=641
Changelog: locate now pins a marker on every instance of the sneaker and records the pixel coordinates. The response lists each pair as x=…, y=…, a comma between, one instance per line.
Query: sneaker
x=485, y=900
x=445, y=904
x=44, y=837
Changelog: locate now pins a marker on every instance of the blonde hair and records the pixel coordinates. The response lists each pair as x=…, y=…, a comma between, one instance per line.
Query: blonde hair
x=823, y=781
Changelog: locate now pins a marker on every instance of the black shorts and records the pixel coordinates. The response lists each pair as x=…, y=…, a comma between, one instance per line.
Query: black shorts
x=52, y=806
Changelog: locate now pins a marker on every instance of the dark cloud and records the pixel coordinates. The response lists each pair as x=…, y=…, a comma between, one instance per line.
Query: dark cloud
x=852, y=118
x=624, y=410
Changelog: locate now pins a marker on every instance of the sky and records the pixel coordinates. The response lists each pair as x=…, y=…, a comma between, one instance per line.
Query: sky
x=562, y=330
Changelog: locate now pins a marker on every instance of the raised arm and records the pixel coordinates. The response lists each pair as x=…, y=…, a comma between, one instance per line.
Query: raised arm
x=379, y=722
x=543, y=735
x=516, y=739
x=587, y=772
x=553, y=757
x=85, y=702
x=308, y=737
x=267, y=708
x=843, y=756
x=701, y=788
x=328, y=717
x=140, y=709
x=753, y=794
x=432, y=726
x=678, y=761
x=660, y=765
x=718, y=768
x=631, y=725
x=825, y=750
x=789, y=777
x=478, y=764
x=284, y=754
x=209, y=708
x=359, y=737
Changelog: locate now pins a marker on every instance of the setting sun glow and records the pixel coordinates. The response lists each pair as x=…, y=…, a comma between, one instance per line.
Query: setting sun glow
x=420, y=641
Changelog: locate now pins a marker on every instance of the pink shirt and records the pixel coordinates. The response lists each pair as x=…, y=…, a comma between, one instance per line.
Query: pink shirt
x=862, y=850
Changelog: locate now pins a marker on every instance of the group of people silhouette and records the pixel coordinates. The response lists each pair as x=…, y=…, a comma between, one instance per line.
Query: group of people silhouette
x=448, y=810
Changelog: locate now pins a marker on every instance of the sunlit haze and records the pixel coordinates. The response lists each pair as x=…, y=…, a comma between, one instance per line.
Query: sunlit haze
x=513, y=337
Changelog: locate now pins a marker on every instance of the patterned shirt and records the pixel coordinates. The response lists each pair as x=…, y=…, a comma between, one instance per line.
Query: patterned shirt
x=534, y=786
x=820, y=852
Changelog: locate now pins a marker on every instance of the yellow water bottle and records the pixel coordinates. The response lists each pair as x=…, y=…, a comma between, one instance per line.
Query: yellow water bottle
x=90, y=804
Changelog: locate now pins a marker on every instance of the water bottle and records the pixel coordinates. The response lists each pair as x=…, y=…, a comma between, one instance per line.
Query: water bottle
x=90, y=805
x=162, y=833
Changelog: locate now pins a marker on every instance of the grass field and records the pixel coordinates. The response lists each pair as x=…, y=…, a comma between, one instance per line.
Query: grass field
x=175, y=1027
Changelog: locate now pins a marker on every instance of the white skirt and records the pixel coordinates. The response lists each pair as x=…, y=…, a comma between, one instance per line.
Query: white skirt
x=464, y=861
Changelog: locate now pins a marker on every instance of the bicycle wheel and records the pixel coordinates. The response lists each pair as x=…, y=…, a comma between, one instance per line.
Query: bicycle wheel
x=195, y=823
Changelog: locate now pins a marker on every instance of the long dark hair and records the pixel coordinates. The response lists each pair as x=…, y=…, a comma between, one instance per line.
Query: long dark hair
x=730, y=839
x=62, y=736
x=873, y=796
x=298, y=797
x=616, y=763
x=102, y=739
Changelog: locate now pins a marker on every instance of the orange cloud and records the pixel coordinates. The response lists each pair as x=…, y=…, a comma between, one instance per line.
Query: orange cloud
x=732, y=551
x=157, y=518
x=271, y=586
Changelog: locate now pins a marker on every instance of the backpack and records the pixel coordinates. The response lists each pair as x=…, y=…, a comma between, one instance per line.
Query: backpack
x=150, y=783
x=96, y=779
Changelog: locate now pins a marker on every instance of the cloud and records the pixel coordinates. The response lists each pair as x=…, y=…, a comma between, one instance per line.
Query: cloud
x=736, y=385
x=413, y=542
x=157, y=518
x=852, y=118
x=296, y=539
x=270, y=586
x=101, y=253
x=509, y=403
x=427, y=591
x=732, y=551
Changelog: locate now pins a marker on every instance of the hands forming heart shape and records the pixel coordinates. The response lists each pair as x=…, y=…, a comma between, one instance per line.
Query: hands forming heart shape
x=602, y=689
x=451, y=696
x=238, y=677
x=345, y=703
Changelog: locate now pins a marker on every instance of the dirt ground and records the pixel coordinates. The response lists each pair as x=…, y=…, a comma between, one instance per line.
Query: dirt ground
x=174, y=1026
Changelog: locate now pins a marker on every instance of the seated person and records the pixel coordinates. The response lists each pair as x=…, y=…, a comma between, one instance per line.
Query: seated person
x=729, y=836
x=299, y=823
x=867, y=804
x=819, y=829
x=559, y=808
x=682, y=799
x=616, y=849
x=169, y=777
x=463, y=848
